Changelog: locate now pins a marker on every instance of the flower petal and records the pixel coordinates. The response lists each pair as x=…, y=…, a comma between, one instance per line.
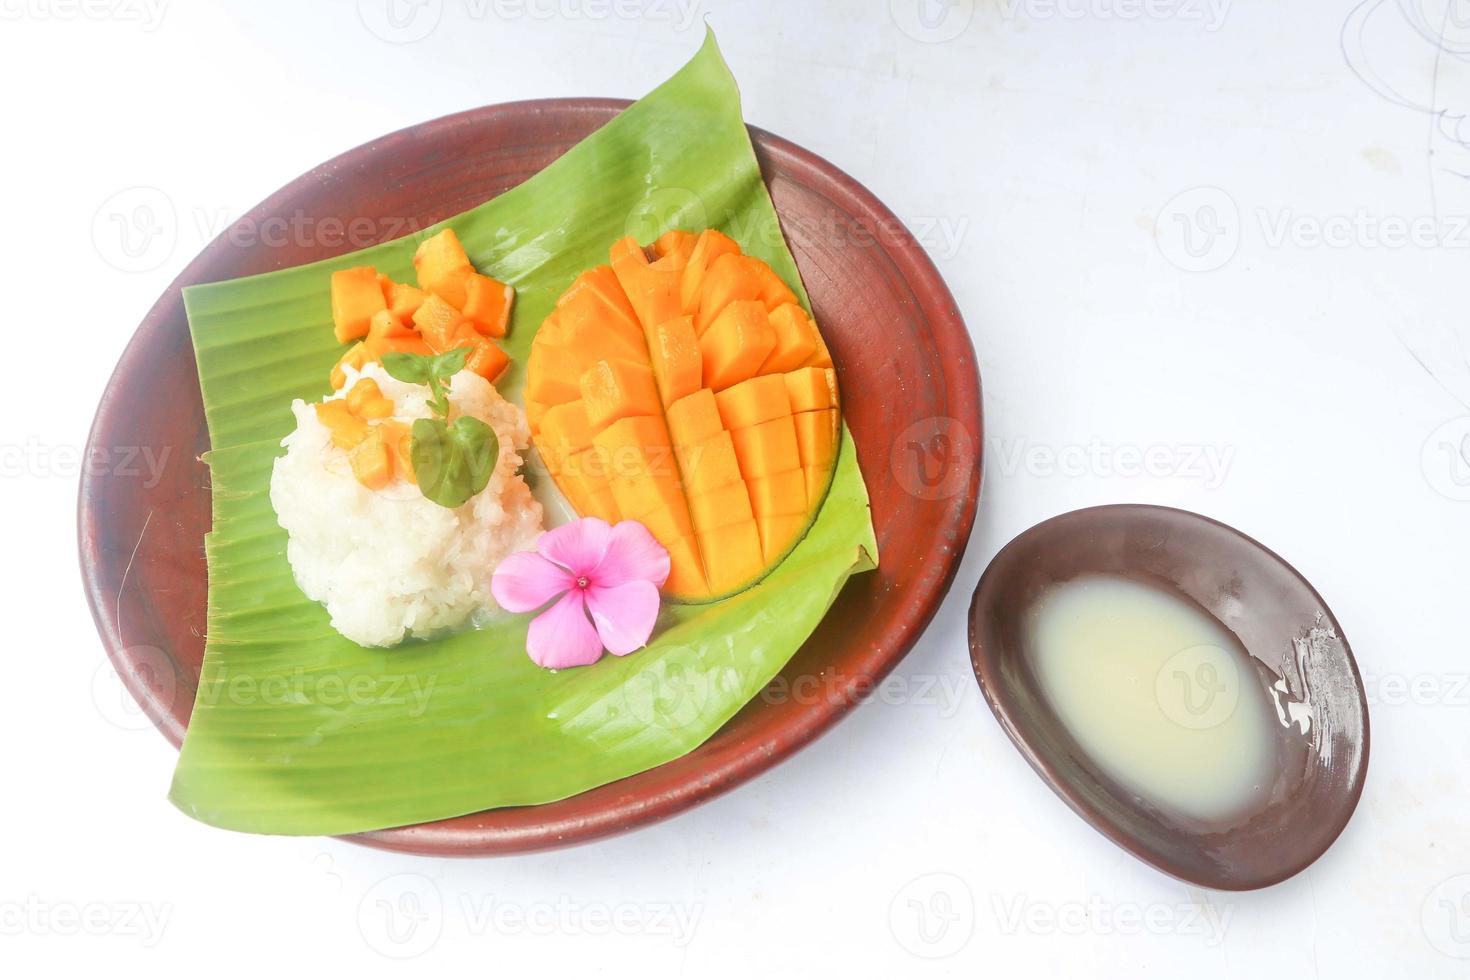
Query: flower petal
x=577, y=545
x=633, y=555
x=562, y=636
x=624, y=614
x=527, y=581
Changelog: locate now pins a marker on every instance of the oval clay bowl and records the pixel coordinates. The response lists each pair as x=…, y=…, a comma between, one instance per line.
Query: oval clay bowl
x=902, y=352
x=1300, y=658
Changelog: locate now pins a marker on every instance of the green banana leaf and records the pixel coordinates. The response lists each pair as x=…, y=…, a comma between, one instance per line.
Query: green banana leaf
x=299, y=731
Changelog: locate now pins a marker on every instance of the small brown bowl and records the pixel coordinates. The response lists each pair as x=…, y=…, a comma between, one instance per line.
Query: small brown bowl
x=1286, y=629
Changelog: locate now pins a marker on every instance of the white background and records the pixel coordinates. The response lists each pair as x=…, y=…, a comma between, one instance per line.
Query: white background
x=1275, y=321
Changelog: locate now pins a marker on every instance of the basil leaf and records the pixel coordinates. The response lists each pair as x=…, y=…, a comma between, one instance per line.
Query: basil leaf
x=414, y=369
x=450, y=363
x=453, y=462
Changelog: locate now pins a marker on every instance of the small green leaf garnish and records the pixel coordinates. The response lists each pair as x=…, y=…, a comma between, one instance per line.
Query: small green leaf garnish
x=452, y=461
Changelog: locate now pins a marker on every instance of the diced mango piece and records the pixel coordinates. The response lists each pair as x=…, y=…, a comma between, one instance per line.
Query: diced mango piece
x=716, y=508
x=403, y=300
x=588, y=493
x=552, y=375
x=767, y=448
x=487, y=359
x=376, y=347
x=665, y=514
x=377, y=408
x=438, y=322
x=796, y=339
x=586, y=311
x=677, y=243
x=729, y=279
x=347, y=430
x=709, y=246
x=356, y=357
x=366, y=399
x=590, y=340
x=677, y=362
x=652, y=288
x=779, y=494
x=566, y=427
x=361, y=391
x=487, y=304
x=443, y=267
x=636, y=445
x=686, y=569
x=356, y=296
x=614, y=390
x=774, y=291
x=753, y=401
x=385, y=326
x=816, y=479
x=398, y=437
x=603, y=284
x=779, y=532
x=736, y=344
x=816, y=436
x=812, y=389
x=709, y=465
x=821, y=357
x=694, y=418
x=371, y=462
x=732, y=555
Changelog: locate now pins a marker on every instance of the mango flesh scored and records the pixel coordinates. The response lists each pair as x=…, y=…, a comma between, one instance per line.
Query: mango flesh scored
x=684, y=386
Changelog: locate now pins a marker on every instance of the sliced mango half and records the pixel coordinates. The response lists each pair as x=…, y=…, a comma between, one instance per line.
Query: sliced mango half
x=684, y=386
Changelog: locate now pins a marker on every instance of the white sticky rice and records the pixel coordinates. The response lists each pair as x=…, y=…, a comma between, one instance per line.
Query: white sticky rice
x=390, y=563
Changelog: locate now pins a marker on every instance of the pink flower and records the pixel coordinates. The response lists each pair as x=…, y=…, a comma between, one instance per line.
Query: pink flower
x=588, y=567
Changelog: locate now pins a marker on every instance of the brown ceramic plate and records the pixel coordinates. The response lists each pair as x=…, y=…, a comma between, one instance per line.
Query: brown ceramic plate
x=1284, y=626
x=902, y=351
